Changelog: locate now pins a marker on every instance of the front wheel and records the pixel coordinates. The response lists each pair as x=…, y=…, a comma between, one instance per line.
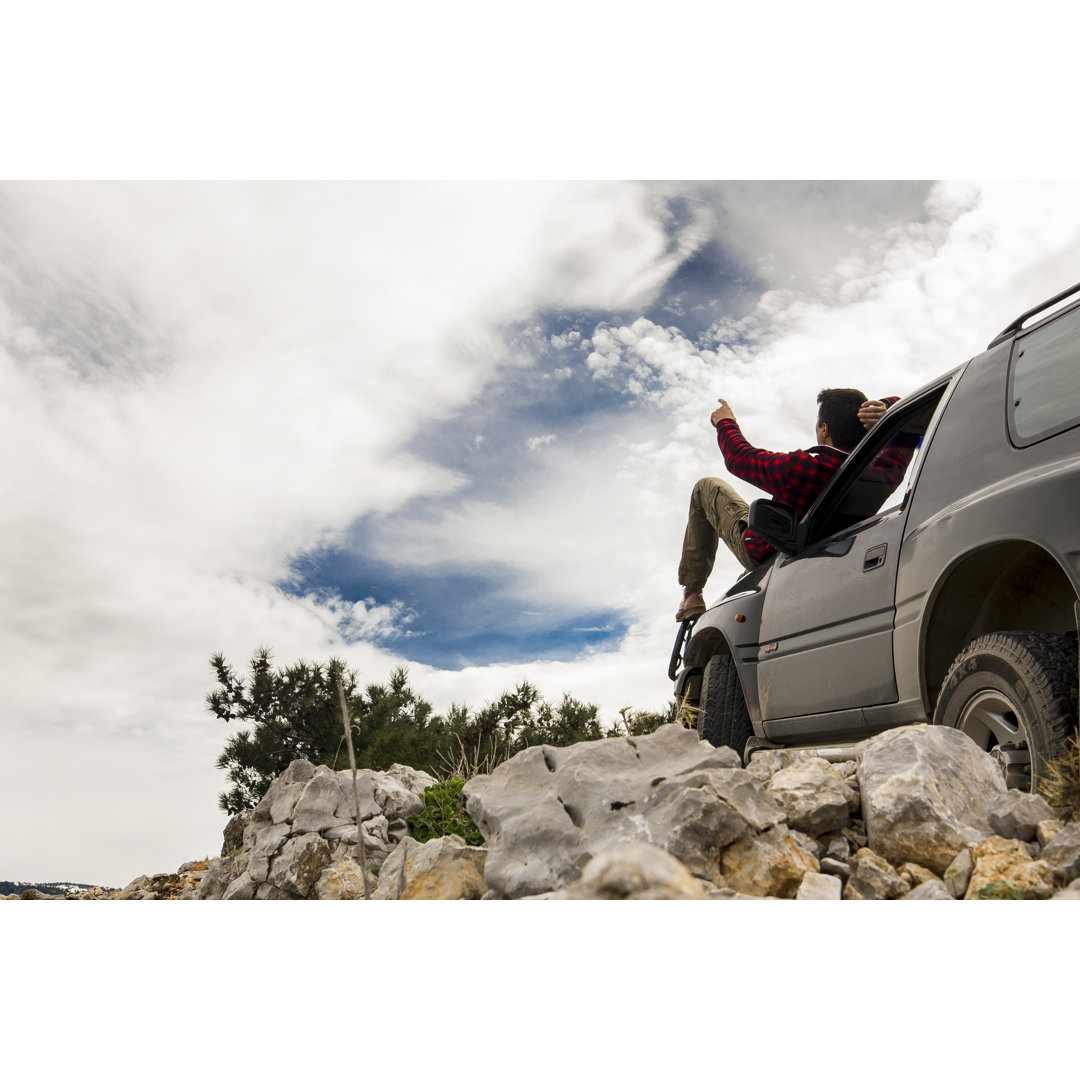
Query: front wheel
x=723, y=719
x=1015, y=694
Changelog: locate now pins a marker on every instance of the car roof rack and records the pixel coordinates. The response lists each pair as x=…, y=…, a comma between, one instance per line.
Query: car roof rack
x=1017, y=323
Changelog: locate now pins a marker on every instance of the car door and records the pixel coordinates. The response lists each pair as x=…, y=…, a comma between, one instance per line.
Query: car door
x=827, y=618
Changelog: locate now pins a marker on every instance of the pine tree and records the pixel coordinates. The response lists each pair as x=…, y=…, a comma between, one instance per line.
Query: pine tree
x=294, y=713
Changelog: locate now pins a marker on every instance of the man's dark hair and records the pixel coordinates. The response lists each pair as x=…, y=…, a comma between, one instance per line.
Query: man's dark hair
x=839, y=409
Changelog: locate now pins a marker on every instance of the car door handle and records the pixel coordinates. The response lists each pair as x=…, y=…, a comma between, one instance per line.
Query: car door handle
x=875, y=557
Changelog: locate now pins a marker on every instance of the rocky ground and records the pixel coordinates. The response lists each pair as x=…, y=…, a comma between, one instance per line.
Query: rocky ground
x=918, y=813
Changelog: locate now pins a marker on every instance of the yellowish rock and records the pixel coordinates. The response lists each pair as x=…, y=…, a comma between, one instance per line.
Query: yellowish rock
x=768, y=864
x=1004, y=869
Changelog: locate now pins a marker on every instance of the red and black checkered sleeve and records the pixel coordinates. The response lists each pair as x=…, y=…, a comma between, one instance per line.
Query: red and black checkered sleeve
x=766, y=470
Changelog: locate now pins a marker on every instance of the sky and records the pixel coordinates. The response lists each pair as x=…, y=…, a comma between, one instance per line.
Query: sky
x=449, y=425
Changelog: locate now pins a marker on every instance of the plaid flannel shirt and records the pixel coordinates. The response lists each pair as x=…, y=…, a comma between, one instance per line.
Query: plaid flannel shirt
x=795, y=478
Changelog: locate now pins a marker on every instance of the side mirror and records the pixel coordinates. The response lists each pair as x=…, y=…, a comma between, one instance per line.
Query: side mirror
x=777, y=523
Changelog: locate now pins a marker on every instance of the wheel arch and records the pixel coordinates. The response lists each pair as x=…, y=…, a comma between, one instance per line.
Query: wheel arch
x=706, y=644
x=1006, y=586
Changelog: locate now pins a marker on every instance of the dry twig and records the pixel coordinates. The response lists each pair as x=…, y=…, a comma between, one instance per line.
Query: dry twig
x=361, y=849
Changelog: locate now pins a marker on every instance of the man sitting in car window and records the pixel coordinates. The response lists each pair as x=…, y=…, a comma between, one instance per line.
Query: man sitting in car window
x=718, y=512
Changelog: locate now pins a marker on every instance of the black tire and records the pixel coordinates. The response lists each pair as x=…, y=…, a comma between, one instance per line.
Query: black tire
x=724, y=719
x=1015, y=694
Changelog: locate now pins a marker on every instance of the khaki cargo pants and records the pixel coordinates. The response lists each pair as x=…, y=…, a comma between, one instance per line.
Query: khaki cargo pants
x=717, y=512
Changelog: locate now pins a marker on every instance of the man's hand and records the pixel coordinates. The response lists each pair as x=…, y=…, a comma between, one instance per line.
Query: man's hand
x=723, y=413
x=870, y=412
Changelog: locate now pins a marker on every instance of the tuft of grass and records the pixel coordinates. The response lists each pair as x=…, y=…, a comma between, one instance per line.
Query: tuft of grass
x=1061, y=785
x=465, y=764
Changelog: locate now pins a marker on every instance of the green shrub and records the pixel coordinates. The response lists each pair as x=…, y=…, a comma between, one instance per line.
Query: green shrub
x=444, y=814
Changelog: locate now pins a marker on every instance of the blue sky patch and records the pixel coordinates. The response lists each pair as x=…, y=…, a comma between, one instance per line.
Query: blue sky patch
x=458, y=618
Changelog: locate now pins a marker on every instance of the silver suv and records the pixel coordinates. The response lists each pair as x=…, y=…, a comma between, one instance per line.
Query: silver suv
x=942, y=589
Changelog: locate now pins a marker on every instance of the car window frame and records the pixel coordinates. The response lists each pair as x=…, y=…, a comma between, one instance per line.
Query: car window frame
x=869, y=447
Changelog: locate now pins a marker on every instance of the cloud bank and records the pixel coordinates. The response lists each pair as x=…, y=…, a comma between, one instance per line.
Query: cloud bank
x=488, y=401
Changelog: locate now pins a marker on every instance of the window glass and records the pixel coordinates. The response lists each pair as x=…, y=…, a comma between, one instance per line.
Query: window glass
x=1045, y=394
x=882, y=484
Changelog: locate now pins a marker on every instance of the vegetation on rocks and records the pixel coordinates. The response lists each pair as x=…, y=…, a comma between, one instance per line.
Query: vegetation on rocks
x=444, y=814
x=293, y=712
x=1061, y=786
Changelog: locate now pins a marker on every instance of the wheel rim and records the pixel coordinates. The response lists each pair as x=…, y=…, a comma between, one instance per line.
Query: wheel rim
x=992, y=720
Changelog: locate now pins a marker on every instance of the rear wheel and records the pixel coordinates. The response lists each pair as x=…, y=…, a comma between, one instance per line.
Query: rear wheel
x=724, y=719
x=1015, y=694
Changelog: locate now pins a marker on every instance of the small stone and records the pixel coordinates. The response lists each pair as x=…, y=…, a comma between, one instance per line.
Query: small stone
x=767, y=864
x=1063, y=853
x=819, y=887
x=1045, y=831
x=343, y=881
x=838, y=867
x=807, y=843
x=1004, y=869
x=635, y=871
x=1072, y=892
x=814, y=798
x=838, y=847
x=857, y=839
x=932, y=889
x=873, y=878
x=1015, y=815
x=958, y=873
x=919, y=874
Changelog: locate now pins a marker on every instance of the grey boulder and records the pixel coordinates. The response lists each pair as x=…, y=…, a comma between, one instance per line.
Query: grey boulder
x=927, y=792
x=548, y=811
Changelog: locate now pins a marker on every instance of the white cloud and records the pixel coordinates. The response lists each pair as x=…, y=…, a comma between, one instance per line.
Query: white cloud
x=202, y=380
x=197, y=382
x=535, y=442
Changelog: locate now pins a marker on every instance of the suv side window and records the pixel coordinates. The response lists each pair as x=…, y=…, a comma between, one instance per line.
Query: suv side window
x=890, y=454
x=1044, y=380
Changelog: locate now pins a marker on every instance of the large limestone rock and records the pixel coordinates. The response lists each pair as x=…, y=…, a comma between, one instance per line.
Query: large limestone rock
x=445, y=868
x=549, y=810
x=927, y=792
